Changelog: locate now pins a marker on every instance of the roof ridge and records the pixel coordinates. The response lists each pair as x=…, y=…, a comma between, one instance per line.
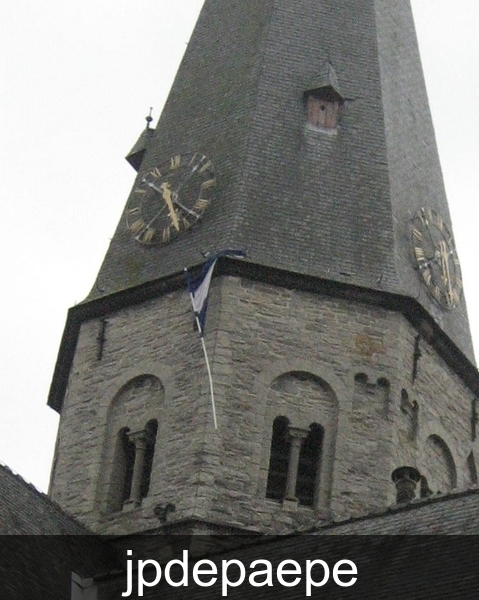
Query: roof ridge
x=22, y=479
x=394, y=508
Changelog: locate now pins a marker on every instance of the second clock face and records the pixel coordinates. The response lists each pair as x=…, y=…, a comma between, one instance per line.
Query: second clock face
x=171, y=198
x=436, y=257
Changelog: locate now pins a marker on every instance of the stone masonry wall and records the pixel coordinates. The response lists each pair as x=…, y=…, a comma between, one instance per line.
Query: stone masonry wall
x=258, y=336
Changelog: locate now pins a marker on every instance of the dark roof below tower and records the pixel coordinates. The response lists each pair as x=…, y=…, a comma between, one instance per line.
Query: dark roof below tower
x=452, y=514
x=26, y=511
x=40, y=544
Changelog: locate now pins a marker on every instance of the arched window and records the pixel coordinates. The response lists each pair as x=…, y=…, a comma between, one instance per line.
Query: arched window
x=439, y=465
x=301, y=460
x=279, y=459
x=129, y=444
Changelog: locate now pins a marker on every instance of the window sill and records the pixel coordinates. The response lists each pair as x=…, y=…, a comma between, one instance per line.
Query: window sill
x=319, y=129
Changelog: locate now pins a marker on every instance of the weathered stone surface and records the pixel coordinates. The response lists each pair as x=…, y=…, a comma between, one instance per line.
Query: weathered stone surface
x=261, y=341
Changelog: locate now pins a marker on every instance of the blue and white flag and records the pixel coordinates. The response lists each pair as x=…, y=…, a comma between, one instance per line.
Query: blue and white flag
x=200, y=285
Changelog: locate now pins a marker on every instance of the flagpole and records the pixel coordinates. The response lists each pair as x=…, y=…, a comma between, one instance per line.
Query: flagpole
x=198, y=289
x=210, y=378
x=207, y=361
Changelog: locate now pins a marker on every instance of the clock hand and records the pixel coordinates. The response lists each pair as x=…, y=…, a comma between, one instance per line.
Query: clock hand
x=151, y=221
x=152, y=185
x=189, y=176
x=174, y=197
x=429, y=261
x=167, y=197
x=445, y=270
x=175, y=201
x=166, y=193
x=427, y=229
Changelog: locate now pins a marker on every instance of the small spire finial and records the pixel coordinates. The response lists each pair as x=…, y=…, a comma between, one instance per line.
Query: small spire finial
x=149, y=118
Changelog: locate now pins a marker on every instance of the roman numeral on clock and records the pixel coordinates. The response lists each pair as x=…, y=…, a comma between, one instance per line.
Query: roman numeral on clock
x=137, y=226
x=201, y=204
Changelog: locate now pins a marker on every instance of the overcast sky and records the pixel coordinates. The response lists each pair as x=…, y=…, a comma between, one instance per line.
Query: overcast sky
x=78, y=78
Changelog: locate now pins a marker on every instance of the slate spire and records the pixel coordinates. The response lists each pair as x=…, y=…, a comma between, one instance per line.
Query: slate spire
x=324, y=187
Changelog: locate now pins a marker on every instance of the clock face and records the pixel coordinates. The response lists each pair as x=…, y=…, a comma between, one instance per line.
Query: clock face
x=170, y=198
x=436, y=257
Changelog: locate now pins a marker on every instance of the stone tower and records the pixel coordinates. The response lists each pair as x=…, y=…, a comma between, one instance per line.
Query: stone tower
x=340, y=347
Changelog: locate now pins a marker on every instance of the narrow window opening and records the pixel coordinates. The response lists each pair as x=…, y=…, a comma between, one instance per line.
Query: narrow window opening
x=309, y=461
x=128, y=460
x=122, y=471
x=279, y=459
x=101, y=338
x=471, y=464
x=133, y=462
x=151, y=430
x=474, y=419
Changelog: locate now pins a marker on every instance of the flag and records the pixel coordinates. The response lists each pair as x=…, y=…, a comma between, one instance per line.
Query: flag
x=198, y=287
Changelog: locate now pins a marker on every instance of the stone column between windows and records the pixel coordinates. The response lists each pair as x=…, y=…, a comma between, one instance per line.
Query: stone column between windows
x=140, y=440
x=297, y=437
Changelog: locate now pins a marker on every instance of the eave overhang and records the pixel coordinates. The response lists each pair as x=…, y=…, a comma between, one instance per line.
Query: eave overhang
x=409, y=307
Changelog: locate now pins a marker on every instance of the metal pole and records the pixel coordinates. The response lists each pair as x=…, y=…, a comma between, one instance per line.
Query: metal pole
x=210, y=378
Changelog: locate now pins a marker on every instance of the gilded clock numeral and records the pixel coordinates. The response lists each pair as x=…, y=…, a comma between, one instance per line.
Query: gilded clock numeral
x=436, y=292
x=175, y=161
x=148, y=234
x=417, y=234
x=197, y=163
x=166, y=234
x=156, y=173
x=201, y=204
x=137, y=226
x=426, y=275
x=205, y=167
x=134, y=212
x=196, y=160
x=208, y=184
x=422, y=217
x=419, y=252
x=140, y=191
x=185, y=222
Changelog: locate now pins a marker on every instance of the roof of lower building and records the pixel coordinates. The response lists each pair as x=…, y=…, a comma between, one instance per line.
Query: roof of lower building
x=456, y=513
x=24, y=510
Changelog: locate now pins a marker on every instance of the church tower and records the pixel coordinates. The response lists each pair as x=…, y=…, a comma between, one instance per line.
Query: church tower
x=299, y=131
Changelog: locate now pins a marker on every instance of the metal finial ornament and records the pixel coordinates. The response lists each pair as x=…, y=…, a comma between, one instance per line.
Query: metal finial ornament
x=149, y=118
